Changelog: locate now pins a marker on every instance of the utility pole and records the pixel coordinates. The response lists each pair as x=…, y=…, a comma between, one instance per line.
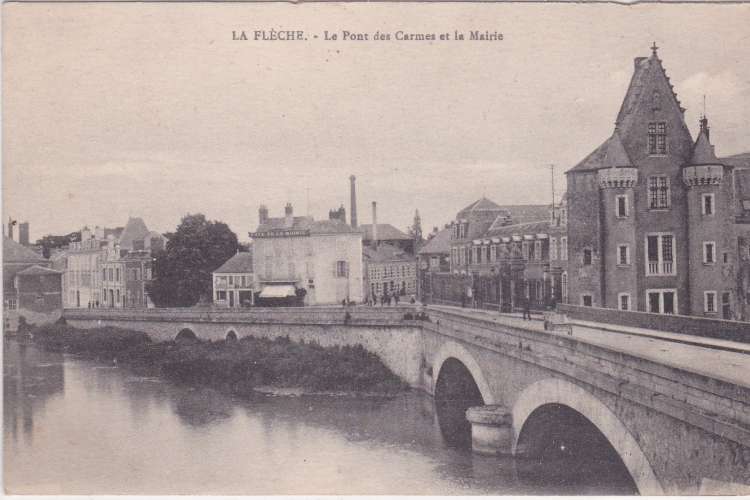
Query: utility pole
x=552, y=174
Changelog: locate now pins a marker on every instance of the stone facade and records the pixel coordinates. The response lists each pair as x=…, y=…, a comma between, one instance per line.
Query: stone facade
x=234, y=282
x=653, y=211
x=323, y=258
x=390, y=270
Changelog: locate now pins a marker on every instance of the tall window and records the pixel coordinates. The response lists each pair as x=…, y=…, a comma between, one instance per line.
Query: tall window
x=553, y=248
x=709, y=302
x=709, y=252
x=622, y=206
x=624, y=301
x=564, y=248
x=587, y=257
x=493, y=253
x=662, y=301
x=342, y=269
x=623, y=255
x=564, y=287
x=660, y=254
x=657, y=138
x=658, y=191
x=525, y=250
x=707, y=204
x=538, y=250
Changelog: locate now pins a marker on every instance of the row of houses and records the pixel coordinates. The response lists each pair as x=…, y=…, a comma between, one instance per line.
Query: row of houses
x=653, y=220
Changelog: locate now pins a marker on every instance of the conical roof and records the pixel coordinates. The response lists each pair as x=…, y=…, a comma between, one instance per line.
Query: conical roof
x=134, y=230
x=703, y=152
x=615, y=155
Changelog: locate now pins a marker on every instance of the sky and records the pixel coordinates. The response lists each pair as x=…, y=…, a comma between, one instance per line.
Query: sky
x=152, y=110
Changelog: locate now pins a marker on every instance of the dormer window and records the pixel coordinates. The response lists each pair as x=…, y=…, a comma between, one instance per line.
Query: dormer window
x=655, y=101
x=657, y=138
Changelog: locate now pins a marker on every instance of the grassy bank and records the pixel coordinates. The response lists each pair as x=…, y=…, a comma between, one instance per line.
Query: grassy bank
x=236, y=366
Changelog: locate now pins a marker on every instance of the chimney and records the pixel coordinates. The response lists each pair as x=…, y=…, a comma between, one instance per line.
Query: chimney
x=23, y=233
x=11, y=223
x=353, y=189
x=288, y=215
x=374, y=224
x=262, y=214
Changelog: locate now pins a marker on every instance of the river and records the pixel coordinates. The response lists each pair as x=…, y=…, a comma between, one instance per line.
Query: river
x=75, y=426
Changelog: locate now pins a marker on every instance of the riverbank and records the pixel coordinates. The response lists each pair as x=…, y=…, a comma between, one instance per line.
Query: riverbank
x=242, y=366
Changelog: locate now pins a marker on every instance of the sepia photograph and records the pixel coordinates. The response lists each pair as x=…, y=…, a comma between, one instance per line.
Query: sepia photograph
x=388, y=248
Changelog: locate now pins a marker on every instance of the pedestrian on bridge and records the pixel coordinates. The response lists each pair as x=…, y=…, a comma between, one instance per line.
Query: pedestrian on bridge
x=526, y=307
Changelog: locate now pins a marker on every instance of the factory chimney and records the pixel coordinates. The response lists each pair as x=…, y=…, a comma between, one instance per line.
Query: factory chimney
x=23, y=233
x=374, y=224
x=353, y=208
x=288, y=215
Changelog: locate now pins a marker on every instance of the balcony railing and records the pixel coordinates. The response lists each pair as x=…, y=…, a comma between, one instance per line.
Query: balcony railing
x=657, y=268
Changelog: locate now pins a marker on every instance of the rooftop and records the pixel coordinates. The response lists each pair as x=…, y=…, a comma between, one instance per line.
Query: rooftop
x=385, y=253
x=440, y=243
x=16, y=253
x=241, y=262
x=385, y=232
x=531, y=228
x=37, y=270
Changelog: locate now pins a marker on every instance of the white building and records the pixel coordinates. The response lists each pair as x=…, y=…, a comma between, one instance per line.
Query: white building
x=234, y=284
x=323, y=258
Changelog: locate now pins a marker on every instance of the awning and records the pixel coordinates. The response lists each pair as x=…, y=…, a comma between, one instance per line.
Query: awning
x=277, y=291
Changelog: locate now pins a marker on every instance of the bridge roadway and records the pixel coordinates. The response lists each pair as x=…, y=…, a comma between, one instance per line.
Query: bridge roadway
x=720, y=359
x=674, y=410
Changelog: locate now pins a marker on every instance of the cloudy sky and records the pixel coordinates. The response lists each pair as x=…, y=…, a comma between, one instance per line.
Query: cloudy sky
x=113, y=110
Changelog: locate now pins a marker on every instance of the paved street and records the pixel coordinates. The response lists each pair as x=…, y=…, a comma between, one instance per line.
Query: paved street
x=710, y=358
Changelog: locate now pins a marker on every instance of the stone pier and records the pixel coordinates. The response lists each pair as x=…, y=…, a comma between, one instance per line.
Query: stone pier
x=491, y=429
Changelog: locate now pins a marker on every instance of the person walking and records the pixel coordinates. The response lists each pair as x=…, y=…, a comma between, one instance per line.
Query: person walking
x=526, y=307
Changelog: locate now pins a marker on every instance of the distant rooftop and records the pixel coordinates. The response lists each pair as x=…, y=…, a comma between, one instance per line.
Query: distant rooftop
x=241, y=262
x=440, y=243
x=385, y=232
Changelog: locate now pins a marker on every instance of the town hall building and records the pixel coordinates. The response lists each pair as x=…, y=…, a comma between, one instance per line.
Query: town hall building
x=654, y=211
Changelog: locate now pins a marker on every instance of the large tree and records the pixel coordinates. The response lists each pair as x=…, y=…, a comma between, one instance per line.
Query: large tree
x=182, y=271
x=51, y=241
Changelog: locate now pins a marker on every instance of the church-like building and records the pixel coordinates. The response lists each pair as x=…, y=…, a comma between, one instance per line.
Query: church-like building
x=655, y=212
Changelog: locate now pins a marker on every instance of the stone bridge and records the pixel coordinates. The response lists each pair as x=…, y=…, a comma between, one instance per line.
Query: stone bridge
x=545, y=395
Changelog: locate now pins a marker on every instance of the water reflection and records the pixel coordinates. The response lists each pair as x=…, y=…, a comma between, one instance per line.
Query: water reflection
x=30, y=378
x=99, y=429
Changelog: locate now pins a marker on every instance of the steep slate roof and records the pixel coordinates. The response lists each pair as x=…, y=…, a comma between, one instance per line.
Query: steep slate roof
x=481, y=205
x=638, y=83
x=305, y=223
x=385, y=253
x=134, y=230
x=299, y=223
x=385, y=232
x=37, y=270
x=537, y=227
x=241, y=262
x=611, y=153
x=615, y=155
x=16, y=253
x=703, y=152
x=440, y=243
x=649, y=78
x=520, y=214
x=331, y=226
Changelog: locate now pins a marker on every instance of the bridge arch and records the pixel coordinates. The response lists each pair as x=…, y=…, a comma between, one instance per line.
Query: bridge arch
x=556, y=392
x=186, y=334
x=455, y=350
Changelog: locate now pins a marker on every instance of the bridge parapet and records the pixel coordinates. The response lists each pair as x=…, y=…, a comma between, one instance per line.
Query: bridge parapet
x=715, y=405
x=331, y=315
